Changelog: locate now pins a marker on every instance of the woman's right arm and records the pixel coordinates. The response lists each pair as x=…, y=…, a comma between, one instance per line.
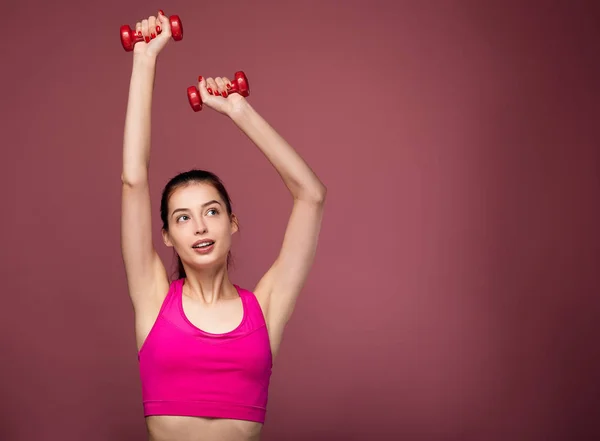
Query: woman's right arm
x=146, y=276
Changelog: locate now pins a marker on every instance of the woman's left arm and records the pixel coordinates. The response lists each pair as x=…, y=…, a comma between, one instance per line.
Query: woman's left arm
x=282, y=283
x=279, y=288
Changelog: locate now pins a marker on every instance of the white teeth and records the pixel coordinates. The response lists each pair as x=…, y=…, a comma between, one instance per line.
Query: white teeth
x=203, y=245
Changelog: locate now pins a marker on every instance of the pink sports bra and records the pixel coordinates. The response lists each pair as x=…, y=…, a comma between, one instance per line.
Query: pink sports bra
x=189, y=372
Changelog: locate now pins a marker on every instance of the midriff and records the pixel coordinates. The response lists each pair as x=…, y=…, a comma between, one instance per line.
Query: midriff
x=184, y=428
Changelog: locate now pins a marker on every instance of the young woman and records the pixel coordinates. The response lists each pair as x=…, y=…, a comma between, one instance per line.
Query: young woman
x=205, y=345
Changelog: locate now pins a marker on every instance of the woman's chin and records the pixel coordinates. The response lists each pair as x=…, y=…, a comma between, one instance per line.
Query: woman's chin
x=207, y=260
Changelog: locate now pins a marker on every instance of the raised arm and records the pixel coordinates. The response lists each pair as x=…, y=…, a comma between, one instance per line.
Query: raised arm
x=280, y=286
x=146, y=275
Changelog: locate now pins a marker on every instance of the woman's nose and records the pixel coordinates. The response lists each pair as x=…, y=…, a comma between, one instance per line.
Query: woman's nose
x=200, y=228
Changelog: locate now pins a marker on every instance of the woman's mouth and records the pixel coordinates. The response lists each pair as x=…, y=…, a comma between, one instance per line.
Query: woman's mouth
x=204, y=246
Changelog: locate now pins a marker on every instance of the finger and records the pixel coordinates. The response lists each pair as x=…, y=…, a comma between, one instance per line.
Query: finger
x=138, y=28
x=228, y=84
x=211, y=86
x=222, y=90
x=158, y=28
x=152, y=26
x=145, y=31
x=202, y=89
x=164, y=26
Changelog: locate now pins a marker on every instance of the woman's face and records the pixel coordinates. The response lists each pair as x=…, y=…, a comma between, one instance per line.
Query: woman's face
x=200, y=228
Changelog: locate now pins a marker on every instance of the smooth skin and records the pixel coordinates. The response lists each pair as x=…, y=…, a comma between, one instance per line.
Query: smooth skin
x=210, y=300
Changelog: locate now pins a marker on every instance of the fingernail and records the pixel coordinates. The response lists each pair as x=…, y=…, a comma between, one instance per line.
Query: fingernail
x=139, y=33
x=160, y=11
x=229, y=86
x=147, y=39
x=209, y=90
x=158, y=29
x=199, y=78
x=153, y=35
x=224, y=94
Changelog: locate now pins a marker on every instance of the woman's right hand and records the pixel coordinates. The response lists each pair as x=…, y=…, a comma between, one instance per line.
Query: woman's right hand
x=156, y=32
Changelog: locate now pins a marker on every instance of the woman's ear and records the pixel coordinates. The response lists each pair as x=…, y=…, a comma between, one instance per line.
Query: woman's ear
x=235, y=226
x=166, y=239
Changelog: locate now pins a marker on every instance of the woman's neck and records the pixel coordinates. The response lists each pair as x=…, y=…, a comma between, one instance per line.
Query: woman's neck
x=208, y=286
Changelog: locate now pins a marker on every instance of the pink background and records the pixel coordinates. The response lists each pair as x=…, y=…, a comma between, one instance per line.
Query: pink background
x=455, y=293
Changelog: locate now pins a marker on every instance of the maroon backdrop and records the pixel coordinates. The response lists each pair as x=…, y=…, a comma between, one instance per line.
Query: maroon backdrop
x=455, y=293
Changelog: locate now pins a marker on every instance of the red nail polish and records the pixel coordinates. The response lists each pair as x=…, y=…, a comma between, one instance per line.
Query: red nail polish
x=224, y=94
x=139, y=33
x=147, y=39
x=229, y=86
x=158, y=29
x=160, y=11
x=199, y=78
x=209, y=90
x=153, y=35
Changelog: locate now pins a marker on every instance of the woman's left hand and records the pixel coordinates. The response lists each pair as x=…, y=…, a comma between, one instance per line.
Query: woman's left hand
x=215, y=94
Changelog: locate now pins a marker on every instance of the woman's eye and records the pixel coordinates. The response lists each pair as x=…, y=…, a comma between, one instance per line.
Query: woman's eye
x=181, y=218
x=213, y=210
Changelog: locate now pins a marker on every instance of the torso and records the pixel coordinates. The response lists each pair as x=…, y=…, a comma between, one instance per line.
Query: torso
x=220, y=318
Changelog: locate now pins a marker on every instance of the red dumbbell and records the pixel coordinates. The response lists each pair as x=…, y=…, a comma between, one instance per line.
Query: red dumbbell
x=239, y=85
x=129, y=37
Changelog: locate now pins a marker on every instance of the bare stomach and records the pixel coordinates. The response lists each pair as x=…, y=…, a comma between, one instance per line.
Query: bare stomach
x=180, y=428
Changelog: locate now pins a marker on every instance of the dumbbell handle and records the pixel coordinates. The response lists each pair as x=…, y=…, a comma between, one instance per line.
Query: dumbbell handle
x=238, y=85
x=129, y=37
